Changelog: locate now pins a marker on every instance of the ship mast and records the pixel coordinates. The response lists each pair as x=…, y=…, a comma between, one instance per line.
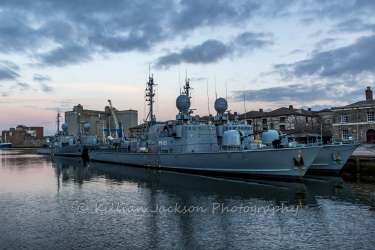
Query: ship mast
x=150, y=94
x=79, y=123
x=58, y=121
x=187, y=88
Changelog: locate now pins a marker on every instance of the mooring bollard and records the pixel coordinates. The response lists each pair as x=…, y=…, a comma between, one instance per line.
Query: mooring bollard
x=357, y=163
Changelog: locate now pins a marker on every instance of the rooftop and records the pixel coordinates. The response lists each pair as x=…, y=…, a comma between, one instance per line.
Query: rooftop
x=277, y=112
x=357, y=104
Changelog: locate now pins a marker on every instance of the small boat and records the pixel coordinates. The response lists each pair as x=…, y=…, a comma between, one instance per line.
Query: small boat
x=5, y=145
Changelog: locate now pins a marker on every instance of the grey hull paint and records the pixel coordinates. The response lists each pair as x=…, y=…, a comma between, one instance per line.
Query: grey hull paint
x=69, y=151
x=64, y=151
x=45, y=151
x=332, y=158
x=265, y=162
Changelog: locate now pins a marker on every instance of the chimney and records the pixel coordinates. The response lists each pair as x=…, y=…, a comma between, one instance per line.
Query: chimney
x=309, y=109
x=290, y=106
x=368, y=93
x=260, y=110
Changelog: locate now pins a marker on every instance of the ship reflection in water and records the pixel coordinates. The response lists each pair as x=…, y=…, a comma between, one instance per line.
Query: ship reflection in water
x=70, y=203
x=301, y=193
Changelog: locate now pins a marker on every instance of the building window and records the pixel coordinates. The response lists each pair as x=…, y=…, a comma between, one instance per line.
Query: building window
x=344, y=118
x=370, y=116
x=282, y=119
x=345, y=134
x=264, y=121
x=282, y=127
x=249, y=122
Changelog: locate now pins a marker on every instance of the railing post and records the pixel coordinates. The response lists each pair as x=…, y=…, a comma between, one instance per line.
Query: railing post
x=357, y=166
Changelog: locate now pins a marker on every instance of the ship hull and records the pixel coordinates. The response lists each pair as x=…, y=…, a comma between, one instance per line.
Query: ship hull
x=79, y=151
x=45, y=151
x=282, y=163
x=76, y=151
x=332, y=158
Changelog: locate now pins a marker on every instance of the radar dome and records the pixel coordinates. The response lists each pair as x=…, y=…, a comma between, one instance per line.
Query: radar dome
x=86, y=127
x=64, y=127
x=221, y=105
x=183, y=103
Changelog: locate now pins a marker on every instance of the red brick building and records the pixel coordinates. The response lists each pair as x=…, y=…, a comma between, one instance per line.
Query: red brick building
x=23, y=136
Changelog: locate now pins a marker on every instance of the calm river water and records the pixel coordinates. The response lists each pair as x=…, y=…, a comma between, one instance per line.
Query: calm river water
x=49, y=203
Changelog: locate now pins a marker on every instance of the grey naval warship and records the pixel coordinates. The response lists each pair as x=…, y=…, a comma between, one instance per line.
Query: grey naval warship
x=186, y=144
x=333, y=157
x=330, y=159
x=68, y=145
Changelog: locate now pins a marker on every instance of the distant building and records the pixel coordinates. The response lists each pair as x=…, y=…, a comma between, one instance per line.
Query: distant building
x=355, y=121
x=136, y=130
x=325, y=121
x=24, y=136
x=101, y=123
x=300, y=124
x=287, y=120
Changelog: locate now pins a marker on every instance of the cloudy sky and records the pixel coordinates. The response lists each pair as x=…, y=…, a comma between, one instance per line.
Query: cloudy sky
x=57, y=54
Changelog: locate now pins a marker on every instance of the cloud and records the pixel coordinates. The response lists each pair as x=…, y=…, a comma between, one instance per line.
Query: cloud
x=23, y=86
x=49, y=122
x=8, y=71
x=71, y=32
x=10, y=65
x=136, y=40
x=249, y=41
x=351, y=60
x=335, y=9
x=198, y=79
x=319, y=46
x=303, y=93
x=195, y=13
x=69, y=101
x=7, y=74
x=354, y=25
x=212, y=51
x=208, y=52
x=60, y=33
x=58, y=109
x=41, y=78
x=61, y=110
x=46, y=88
x=16, y=34
x=65, y=56
x=296, y=52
